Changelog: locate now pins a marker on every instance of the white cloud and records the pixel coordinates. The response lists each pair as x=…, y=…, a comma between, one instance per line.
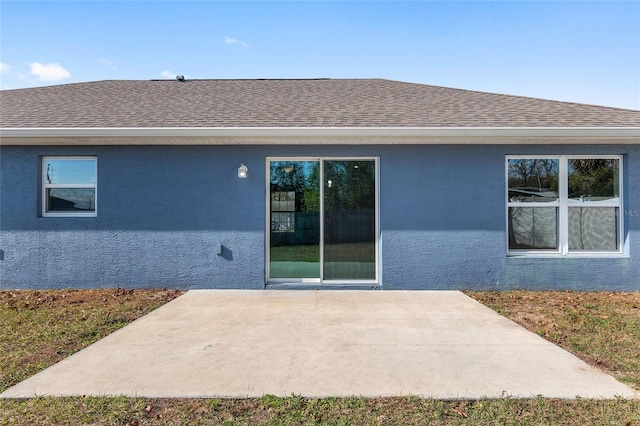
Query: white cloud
x=4, y=68
x=48, y=72
x=229, y=40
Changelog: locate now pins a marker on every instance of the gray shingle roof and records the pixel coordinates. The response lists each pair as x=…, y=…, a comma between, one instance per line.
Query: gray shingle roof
x=289, y=103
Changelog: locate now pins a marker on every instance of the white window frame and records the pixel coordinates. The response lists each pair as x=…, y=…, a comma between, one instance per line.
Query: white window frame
x=563, y=205
x=46, y=186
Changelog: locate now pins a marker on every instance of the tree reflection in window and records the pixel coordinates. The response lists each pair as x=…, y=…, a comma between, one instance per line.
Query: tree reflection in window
x=533, y=180
x=593, y=179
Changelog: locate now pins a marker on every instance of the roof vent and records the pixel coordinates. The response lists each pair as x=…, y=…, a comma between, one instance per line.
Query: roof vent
x=180, y=77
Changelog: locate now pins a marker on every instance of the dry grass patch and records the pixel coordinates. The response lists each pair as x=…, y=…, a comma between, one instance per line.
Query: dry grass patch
x=294, y=410
x=601, y=328
x=40, y=328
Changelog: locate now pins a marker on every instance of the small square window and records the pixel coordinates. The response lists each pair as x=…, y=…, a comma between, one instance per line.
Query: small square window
x=69, y=186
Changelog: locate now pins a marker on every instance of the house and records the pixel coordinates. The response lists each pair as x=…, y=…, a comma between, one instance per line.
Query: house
x=318, y=183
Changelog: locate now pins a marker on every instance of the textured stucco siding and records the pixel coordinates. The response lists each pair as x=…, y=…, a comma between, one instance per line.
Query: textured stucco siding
x=163, y=209
x=161, y=213
x=443, y=223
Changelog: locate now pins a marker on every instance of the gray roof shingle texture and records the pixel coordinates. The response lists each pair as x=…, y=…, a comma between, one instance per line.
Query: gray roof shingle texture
x=289, y=103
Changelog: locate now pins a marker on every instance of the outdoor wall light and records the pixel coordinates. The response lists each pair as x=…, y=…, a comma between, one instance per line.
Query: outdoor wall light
x=242, y=171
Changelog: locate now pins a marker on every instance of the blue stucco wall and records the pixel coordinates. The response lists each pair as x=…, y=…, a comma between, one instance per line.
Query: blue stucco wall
x=449, y=232
x=163, y=209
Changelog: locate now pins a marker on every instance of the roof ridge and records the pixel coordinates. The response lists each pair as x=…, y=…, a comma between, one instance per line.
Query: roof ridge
x=248, y=79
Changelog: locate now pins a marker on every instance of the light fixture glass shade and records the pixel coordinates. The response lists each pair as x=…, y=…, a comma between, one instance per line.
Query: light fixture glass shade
x=242, y=171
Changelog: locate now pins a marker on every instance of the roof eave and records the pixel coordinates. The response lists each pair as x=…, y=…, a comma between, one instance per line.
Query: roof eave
x=288, y=135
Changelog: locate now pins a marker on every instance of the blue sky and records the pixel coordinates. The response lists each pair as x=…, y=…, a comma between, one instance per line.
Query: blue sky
x=586, y=52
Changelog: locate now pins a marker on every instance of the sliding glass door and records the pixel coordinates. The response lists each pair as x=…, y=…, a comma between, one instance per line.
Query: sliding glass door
x=294, y=219
x=322, y=216
x=349, y=220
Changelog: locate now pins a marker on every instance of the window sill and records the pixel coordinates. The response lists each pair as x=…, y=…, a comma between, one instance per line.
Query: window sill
x=49, y=215
x=569, y=256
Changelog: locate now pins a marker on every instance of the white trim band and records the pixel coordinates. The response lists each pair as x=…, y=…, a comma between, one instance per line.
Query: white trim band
x=624, y=132
x=318, y=135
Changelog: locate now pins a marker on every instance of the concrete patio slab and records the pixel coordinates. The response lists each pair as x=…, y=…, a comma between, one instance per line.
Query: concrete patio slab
x=240, y=343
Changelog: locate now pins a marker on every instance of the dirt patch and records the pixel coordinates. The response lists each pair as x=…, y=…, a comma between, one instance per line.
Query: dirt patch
x=34, y=299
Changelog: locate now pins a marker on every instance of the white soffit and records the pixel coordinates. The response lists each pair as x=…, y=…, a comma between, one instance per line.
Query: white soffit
x=318, y=135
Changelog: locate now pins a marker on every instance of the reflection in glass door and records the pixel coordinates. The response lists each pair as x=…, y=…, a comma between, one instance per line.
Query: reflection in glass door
x=322, y=233
x=349, y=220
x=295, y=219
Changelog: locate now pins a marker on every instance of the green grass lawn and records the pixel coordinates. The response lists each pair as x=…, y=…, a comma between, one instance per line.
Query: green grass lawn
x=347, y=252
x=294, y=410
x=40, y=328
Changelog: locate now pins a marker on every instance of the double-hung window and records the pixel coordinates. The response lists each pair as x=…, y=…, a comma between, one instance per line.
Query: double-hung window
x=69, y=186
x=564, y=204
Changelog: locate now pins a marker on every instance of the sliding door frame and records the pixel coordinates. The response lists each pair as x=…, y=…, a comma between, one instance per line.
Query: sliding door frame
x=320, y=280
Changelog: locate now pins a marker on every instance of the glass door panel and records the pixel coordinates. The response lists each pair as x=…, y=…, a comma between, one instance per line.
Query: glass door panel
x=294, y=209
x=349, y=209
